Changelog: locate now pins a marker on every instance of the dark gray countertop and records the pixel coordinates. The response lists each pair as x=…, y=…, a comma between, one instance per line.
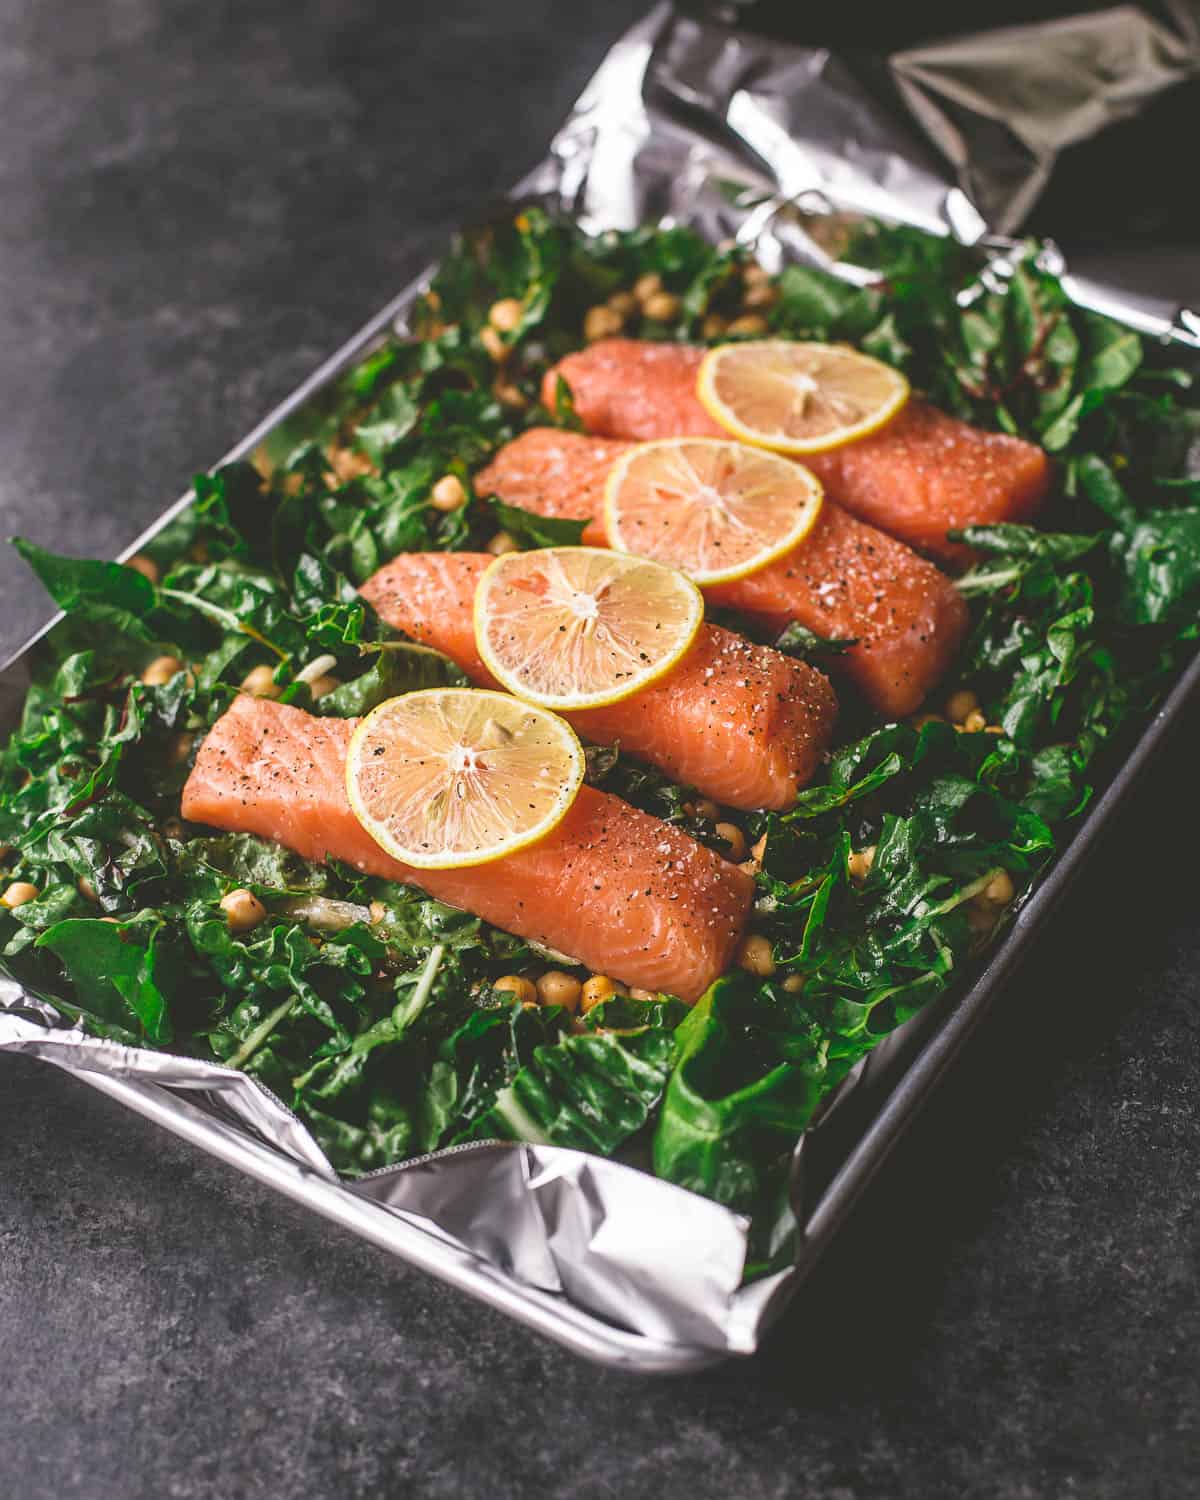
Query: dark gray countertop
x=197, y=202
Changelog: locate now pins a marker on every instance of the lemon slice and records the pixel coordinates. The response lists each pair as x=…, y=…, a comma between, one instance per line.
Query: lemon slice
x=575, y=627
x=458, y=776
x=796, y=397
x=716, y=510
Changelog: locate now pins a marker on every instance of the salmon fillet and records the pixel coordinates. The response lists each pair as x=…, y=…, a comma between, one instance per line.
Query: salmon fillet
x=743, y=724
x=846, y=579
x=634, y=389
x=622, y=892
x=920, y=475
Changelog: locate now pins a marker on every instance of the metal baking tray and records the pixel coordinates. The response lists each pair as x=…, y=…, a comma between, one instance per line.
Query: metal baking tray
x=632, y=1313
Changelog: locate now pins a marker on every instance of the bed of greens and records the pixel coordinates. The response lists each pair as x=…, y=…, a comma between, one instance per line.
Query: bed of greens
x=368, y=1008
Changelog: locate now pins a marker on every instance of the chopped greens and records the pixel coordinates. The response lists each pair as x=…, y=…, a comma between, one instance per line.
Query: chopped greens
x=372, y=1009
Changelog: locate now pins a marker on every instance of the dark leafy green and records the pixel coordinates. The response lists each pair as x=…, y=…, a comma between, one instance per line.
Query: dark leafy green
x=126, y=973
x=398, y=667
x=530, y=530
x=108, y=594
x=806, y=645
x=741, y=1093
x=592, y=1091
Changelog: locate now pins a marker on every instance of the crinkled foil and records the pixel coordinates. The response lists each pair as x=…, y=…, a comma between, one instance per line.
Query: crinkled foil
x=686, y=122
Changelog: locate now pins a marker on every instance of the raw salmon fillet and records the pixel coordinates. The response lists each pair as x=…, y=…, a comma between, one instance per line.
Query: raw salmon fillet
x=845, y=579
x=635, y=390
x=917, y=477
x=743, y=724
x=622, y=892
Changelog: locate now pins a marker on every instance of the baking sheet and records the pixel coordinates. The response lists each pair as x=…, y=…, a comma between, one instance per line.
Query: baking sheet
x=690, y=121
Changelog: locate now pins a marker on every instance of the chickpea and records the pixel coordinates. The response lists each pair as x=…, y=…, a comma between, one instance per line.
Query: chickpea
x=981, y=917
x=761, y=295
x=636, y=992
x=663, y=307
x=961, y=704
x=505, y=314
x=319, y=686
x=597, y=989
x=861, y=862
x=161, y=670
x=18, y=893
x=557, y=988
x=345, y=465
x=754, y=864
x=510, y=395
x=501, y=543
x=447, y=493
x=647, y=286
x=180, y=748
x=735, y=838
x=243, y=910
x=624, y=304
x=260, y=683
x=751, y=325
x=706, y=809
x=521, y=989
x=1000, y=889
x=713, y=326
x=974, y=722
x=144, y=565
x=755, y=956
x=601, y=323
x=794, y=983
x=494, y=344
x=87, y=890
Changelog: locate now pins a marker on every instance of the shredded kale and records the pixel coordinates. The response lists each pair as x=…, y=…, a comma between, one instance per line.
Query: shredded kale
x=372, y=1009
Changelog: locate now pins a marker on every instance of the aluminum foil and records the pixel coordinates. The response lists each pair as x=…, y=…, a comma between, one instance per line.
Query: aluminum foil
x=694, y=122
x=1003, y=107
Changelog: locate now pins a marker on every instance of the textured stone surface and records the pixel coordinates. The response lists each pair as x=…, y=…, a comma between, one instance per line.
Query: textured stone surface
x=198, y=203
